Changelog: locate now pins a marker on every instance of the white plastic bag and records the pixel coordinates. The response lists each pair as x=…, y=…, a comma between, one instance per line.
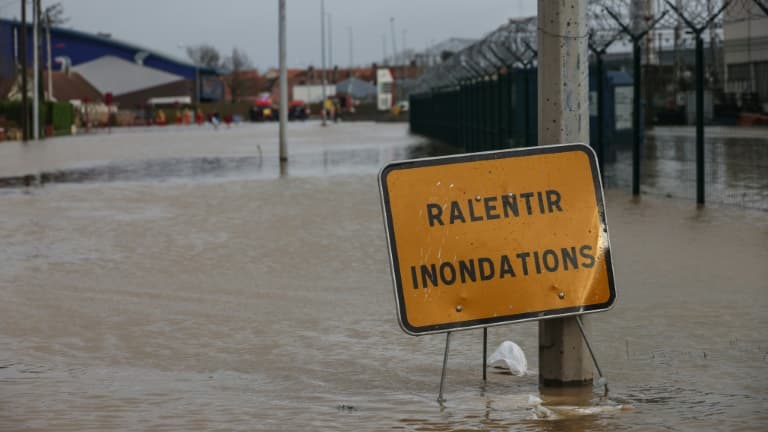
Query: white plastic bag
x=509, y=356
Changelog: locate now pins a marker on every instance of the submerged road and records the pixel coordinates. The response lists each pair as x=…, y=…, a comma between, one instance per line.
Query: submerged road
x=240, y=299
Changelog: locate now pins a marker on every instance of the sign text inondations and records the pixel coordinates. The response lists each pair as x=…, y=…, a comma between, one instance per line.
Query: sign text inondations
x=497, y=237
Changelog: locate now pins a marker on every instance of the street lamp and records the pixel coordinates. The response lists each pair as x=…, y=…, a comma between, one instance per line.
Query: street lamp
x=394, y=45
x=351, y=49
x=283, y=82
x=322, y=44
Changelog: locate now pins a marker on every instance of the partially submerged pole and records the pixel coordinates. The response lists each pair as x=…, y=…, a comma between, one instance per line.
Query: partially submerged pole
x=283, y=82
x=697, y=30
x=48, y=51
x=637, y=119
x=35, y=70
x=322, y=54
x=636, y=34
x=563, y=108
x=699, y=119
x=23, y=60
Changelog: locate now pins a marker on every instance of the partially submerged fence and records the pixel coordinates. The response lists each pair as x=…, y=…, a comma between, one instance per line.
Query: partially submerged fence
x=485, y=96
x=480, y=113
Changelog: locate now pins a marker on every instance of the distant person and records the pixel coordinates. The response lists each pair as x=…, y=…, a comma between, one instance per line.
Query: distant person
x=215, y=120
x=337, y=111
x=328, y=107
x=161, y=117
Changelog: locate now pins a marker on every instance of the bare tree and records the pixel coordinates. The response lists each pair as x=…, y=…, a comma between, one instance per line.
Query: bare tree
x=236, y=63
x=204, y=55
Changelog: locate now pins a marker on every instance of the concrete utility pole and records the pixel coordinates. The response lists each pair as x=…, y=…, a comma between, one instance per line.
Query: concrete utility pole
x=23, y=59
x=402, y=46
x=322, y=42
x=394, y=44
x=50, y=59
x=283, y=82
x=35, y=70
x=563, y=118
x=384, y=48
x=351, y=49
x=330, y=40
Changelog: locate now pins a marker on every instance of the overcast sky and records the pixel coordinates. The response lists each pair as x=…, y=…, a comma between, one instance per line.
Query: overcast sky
x=252, y=24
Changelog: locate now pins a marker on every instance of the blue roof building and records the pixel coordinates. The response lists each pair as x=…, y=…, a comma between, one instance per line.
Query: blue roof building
x=110, y=64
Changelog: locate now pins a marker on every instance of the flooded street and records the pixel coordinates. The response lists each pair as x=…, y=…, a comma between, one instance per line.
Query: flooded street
x=177, y=280
x=735, y=163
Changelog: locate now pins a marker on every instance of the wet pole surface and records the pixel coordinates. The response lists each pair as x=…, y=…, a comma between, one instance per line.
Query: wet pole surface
x=563, y=118
x=255, y=302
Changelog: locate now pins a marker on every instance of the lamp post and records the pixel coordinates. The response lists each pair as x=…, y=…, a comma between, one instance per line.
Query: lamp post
x=48, y=49
x=35, y=70
x=322, y=50
x=351, y=48
x=23, y=60
x=330, y=40
x=283, y=82
x=394, y=44
x=197, y=83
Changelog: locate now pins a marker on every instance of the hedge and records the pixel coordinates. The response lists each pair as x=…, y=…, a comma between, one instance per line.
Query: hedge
x=11, y=111
x=60, y=115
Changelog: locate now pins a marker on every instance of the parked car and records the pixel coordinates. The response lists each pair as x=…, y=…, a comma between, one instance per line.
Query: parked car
x=264, y=110
x=298, y=110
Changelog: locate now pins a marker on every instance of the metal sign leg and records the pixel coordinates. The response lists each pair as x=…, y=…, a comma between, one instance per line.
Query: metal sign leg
x=440, y=398
x=591, y=353
x=485, y=351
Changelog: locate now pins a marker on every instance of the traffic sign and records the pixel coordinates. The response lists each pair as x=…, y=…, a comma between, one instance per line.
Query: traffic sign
x=497, y=237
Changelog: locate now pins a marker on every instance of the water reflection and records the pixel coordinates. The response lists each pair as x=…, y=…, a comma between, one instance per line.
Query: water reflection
x=570, y=409
x=734, y=169
x=326, y=162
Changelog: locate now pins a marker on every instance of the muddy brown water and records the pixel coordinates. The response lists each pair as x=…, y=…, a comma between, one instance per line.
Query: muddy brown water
x=266, y=304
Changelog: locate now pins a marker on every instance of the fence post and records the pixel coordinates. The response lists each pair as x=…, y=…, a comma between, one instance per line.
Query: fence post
x=636, y=81
x=636, y=115
x=599, y=52
x=699, y=119
x=697, y=31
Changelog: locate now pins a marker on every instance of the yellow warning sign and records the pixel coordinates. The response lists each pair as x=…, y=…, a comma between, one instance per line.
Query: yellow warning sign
x=497, y=237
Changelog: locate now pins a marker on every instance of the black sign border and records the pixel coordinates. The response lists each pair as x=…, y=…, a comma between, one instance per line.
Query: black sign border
x=484, y=156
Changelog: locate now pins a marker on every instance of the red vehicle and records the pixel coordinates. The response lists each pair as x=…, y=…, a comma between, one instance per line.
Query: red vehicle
x=264, y=110
x=298, y=110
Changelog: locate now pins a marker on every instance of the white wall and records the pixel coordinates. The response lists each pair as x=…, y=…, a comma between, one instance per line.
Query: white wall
x=312, y=93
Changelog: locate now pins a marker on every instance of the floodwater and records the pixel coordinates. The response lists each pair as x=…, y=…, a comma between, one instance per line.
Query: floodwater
x=246, y=300
x=736, y=160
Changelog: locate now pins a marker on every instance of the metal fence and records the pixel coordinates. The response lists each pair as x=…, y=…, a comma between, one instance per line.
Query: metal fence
x=484, y=97
x=736, y=161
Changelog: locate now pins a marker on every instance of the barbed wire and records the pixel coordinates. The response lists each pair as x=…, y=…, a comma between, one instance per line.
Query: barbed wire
x=513, y=44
